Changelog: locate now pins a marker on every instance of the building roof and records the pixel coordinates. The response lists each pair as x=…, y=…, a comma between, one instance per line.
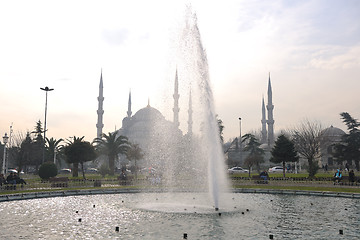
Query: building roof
x=148, y=114
x=333, y=132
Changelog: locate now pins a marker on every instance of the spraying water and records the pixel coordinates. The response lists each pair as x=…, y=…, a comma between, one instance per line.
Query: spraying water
x=193, y=161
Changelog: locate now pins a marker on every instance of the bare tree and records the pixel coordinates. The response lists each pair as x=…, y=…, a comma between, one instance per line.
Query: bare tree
x=307, y=138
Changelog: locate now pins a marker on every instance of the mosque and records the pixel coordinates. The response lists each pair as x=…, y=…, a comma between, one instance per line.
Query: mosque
x=234, y=154
x=148, y=128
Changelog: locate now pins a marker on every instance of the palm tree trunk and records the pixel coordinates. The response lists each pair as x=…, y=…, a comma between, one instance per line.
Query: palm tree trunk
x=112, y=165
x=82, y=169
x=75, y=171
x=283, y=169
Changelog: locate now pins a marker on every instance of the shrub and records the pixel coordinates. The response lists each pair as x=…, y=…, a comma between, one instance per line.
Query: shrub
x=47, y=170
x=104, y=169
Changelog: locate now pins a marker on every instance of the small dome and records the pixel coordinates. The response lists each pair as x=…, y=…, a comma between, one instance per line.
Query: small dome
x=333, y=132
x=264, y=146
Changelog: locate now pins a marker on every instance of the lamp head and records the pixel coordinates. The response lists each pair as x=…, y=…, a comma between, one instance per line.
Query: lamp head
x=47, y=89
x=5, y=138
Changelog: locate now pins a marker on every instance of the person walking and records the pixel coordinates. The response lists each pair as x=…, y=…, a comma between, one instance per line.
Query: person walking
x=351, y=177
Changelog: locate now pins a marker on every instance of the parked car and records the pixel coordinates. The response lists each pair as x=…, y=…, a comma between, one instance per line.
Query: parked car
x=91, y=170
x=65, y=170
x=276, y=169
x=237, y=170
x=148, y=171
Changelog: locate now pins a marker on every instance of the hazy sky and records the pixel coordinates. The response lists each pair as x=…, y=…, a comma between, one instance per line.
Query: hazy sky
x=311, y=48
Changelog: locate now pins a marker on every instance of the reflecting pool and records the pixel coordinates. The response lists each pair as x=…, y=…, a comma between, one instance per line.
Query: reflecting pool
x=155, y=216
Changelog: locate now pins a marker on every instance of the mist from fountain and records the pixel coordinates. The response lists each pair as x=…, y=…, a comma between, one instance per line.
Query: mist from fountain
x=193, y=162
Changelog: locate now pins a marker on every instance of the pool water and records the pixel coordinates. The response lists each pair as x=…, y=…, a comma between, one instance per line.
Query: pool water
x=158, y=216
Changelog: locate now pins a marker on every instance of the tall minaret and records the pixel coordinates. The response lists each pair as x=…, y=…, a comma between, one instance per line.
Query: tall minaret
x=129, y=105
x=263, y=123
x=270, y=121
x=190, y=121
x=100, y=110
x=176, y=101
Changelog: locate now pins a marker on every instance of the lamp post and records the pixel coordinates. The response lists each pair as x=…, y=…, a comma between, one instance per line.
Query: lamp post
x=5, y=140
x=240, y=144
x=46, y=89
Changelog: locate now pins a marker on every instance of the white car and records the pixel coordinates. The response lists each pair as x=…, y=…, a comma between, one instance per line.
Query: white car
x=276, y=169
x=237, y=170
x=91, y=170
x=65, y=170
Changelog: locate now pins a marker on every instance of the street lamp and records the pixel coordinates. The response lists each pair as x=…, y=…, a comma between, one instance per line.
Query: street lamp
x=5, y=140
x=46, y=89
x=240, y=144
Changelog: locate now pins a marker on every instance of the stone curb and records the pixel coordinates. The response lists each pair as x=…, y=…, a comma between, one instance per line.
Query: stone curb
x=298, y=192
x=36, y=195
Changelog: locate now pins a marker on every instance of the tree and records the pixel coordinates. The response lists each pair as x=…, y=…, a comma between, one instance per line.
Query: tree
x=52, y=148
x=112, y=145
x=349, y=149
x=134, y=153
x=79, y=151
x=25, y=153
x=37, y=145
x=307, y=138
x=283, y=151
x=221, y=128
x=255, y=156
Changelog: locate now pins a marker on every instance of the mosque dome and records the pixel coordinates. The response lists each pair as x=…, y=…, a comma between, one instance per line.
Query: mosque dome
x=333, y=132
x=147, y=114
x=332, y=135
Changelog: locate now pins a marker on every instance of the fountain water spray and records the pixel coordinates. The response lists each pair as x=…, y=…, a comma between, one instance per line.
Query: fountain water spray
x=195, y=161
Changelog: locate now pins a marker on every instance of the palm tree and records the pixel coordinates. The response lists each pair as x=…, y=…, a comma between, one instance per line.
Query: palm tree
x=252, y=146
x=134, y=153
x=112, y=145
x=52, y=147
x=79, y=151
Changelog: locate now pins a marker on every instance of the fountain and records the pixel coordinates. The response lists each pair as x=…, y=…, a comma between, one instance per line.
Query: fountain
x=194, y=162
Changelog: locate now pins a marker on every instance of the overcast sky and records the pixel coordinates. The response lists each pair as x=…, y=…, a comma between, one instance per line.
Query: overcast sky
x=311, y=49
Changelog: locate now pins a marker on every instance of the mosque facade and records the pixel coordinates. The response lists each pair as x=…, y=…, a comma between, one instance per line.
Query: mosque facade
x=148, y=128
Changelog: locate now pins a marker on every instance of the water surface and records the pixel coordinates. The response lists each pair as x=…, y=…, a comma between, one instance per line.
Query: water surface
x=140, y=216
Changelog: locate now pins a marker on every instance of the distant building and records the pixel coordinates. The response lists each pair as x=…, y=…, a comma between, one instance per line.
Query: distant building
x=148, y=127
x=330, y=136
x=235, y=156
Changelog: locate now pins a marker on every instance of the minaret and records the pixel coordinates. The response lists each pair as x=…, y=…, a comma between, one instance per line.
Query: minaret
x=176, y=101
x=270, y=121
x=129, y=105
x=100, y=110
x=263, y=123
x=190, y=121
